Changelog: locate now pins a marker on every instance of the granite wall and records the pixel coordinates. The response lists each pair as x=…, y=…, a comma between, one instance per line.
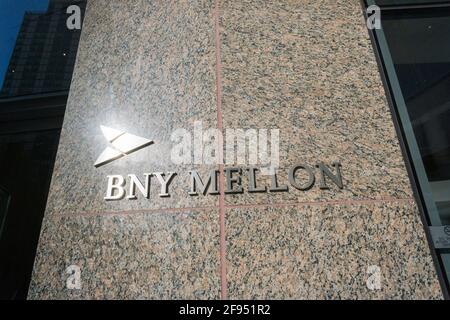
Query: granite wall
x=305, y=67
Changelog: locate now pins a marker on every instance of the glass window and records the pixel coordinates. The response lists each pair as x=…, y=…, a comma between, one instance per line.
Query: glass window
x=414, y=43
x=419, y=44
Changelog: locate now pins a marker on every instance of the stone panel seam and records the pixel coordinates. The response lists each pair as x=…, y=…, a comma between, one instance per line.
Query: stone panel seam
x=218, y=69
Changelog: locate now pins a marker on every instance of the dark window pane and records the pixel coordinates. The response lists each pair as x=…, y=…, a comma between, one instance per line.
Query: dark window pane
x=4, y=201
x=419, y=43
x=415, y=45
x=28, y=159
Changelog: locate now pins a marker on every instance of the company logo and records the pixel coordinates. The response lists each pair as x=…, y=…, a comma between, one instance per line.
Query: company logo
x=204, y=147
x=122, y=144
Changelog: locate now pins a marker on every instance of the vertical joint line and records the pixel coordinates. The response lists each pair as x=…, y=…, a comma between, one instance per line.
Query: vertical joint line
x=223, y=268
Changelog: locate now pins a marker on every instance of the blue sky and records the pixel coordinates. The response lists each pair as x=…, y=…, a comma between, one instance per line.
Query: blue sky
x=11, y=15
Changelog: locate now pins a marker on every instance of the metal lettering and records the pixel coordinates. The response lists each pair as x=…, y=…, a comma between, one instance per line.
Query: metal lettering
x=164, y=183
x=231, y=181
x=324, y=171
x=197, y=181
x=274, y=187
x=252, y=181
x=115, y=182
x=144, y=189
x=305, y=186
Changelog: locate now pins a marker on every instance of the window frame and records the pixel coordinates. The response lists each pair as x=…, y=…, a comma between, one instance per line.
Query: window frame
x=416, y=171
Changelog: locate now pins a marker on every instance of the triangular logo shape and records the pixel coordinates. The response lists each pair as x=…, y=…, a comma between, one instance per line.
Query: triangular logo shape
x=122, y=144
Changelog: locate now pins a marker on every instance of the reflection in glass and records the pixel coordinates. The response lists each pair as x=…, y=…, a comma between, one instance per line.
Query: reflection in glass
x=38, y=50
x=419, y=44
x=28, y=161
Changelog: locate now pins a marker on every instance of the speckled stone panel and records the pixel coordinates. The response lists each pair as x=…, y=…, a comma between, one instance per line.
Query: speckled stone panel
x=140, y=256
x=324, y=252
x=147, y=68
x=307, y=68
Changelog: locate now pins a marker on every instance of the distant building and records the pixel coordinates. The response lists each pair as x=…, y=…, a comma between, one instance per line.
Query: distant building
x=45, y=52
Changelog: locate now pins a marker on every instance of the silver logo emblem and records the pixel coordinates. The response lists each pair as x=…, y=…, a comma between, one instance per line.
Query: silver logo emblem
x=122, y=144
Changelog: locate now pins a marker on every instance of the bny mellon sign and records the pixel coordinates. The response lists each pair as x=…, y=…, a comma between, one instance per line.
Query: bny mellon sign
x=300, y=176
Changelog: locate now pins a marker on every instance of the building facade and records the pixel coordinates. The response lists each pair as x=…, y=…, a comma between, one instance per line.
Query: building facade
x=347, y=215
x=45, y=52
